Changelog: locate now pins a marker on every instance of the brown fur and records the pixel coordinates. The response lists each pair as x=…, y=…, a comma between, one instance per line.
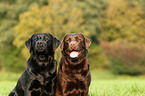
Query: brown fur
x=74, y=76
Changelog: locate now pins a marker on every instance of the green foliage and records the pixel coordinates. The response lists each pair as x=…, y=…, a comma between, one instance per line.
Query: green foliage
x=125, y=58
x=96, y=54
x=9, y=13
x=140, y=2
x=9, y=61
x=93, y=12
x=123, y=21
x=56, y=18
x=9, y=76
x=98, y=19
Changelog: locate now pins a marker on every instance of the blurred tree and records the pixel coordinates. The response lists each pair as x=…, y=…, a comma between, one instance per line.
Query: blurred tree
x=97, y=19
x=93, y=11
x=140, y=2
x=124, y=21
x=58, y=18
x=9, y=13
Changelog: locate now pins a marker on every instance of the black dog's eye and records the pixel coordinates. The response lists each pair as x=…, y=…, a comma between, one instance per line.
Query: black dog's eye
x=36, y=38
x=45, y=39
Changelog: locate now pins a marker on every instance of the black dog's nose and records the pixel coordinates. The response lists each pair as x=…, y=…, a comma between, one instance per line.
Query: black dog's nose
x=39, y=45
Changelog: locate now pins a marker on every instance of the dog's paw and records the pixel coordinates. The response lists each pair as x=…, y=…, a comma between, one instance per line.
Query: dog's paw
x=13, y=94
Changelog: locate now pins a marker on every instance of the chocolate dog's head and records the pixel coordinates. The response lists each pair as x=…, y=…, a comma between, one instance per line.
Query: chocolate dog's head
x=42, y=43
x=75, y=46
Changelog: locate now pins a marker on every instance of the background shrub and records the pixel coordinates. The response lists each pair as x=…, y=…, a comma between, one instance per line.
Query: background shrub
x=125, y=58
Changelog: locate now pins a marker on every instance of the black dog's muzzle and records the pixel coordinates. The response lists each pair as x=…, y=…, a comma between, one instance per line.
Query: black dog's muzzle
x=41, y=46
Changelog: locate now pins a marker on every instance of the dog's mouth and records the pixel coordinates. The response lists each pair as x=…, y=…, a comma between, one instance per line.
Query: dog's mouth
x=74, y=54
x=41, y=50
x=41, y=57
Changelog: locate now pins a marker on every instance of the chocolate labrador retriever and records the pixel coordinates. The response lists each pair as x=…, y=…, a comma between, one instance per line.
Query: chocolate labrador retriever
x=74, y=75
x=40, y=76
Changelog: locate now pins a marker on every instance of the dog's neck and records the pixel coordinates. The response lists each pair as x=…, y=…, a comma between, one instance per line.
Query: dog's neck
x=82, y=64
x=79, y=71
x=42, y=59
x=40, y=63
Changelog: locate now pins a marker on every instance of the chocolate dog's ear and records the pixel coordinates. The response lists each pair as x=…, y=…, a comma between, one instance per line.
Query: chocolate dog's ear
x=62, y=42
x=28, y=42
x=87, y=41
x=56, y=42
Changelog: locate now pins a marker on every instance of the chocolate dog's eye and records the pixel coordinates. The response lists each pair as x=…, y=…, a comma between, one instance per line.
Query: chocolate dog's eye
x=78, y=39
x=68, y=40
x=44, y=37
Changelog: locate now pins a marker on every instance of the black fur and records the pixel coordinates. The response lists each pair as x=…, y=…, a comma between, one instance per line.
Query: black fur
x=39, y=78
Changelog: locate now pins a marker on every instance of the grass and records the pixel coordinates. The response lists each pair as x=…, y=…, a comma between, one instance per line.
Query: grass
x=130, y=87
x=6, y=87
x=104, y=83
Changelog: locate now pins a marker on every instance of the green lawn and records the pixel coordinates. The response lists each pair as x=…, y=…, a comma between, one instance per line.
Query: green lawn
x=129, y=87
x=103, y=84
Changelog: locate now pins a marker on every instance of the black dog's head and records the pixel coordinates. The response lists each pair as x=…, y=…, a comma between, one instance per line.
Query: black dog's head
x=74, y=45
x=42, y=43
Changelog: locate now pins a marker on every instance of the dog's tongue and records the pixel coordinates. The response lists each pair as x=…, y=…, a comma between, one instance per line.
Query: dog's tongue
x=74, y=54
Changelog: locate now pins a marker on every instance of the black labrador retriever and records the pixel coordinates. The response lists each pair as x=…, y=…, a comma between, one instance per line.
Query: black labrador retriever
x=40, y=76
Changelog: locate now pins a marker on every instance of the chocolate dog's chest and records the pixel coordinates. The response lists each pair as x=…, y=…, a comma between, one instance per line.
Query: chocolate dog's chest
x=75, y=85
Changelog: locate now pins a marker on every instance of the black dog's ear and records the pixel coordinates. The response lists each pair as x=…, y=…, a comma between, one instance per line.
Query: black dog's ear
x=62, y=42
x=28, y=42
x=56, y=42
x=87, y=41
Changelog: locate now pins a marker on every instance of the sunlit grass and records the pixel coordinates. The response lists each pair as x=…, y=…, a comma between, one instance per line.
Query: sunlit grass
x=104, y=83
x=129, y=87
x=6, y=87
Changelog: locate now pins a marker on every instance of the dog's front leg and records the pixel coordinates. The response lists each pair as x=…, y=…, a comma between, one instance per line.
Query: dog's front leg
x=13, y=93
x=27, y=92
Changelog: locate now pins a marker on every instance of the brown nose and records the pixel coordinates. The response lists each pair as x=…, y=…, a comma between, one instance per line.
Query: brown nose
x=73, y=45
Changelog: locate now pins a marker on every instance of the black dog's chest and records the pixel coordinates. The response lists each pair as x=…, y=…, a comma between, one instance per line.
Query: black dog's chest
x=41, y=82
x=40, y=88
